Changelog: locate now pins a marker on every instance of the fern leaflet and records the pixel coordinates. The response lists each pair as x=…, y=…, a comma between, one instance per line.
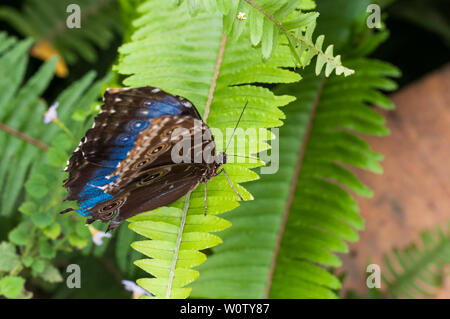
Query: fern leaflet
x=413, y=271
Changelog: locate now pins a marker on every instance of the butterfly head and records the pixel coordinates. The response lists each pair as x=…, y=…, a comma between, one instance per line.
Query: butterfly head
x=220, y=159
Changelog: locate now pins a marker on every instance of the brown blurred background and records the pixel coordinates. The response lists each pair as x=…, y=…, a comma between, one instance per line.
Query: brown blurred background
x=413, y=194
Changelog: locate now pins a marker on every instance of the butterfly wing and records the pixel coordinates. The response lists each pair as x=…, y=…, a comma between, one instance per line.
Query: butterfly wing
x=152, y=188
x=165, y=143
x=126, y=113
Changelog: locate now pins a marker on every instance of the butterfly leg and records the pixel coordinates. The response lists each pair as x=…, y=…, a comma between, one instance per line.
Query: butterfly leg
x=229, y=182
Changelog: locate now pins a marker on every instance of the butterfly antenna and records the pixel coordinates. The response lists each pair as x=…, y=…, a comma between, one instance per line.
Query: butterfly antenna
x=247, y=157
x=66, y=210
x=240, y=116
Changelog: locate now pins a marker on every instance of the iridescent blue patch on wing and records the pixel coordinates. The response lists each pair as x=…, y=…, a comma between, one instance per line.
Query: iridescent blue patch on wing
x=92, y=194
x=159, y=109
x=94, y=201
x=138, y=126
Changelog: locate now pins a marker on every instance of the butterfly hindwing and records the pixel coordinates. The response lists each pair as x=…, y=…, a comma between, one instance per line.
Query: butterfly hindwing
x=152, y=188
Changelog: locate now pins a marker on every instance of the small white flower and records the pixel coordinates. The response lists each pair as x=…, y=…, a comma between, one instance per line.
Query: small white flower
x=51, y=113
x=97, y=235
x=137, y=290
x=242, y=16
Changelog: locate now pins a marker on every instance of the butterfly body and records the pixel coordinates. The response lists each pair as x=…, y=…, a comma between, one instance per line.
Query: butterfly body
x=127, y=162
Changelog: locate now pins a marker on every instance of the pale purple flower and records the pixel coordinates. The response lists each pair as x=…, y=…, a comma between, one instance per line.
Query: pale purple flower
x=98, y=235
x=137, y=290
x=51, y=113
x=242, y=16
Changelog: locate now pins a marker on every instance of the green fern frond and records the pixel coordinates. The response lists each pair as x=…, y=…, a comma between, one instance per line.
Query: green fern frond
x=44, y=195
x=306, y=208
x=37, y=152
x=323, y=216
x=413, y=272
x=176, y=239
x=183, y=59
x=267, y=20
x=46, y=21
x=16, y=104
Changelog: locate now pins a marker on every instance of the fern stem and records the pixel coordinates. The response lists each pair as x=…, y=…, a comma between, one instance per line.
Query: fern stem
x=23, y=136
x=292, y=187
x=215, y=76
x=178, y=244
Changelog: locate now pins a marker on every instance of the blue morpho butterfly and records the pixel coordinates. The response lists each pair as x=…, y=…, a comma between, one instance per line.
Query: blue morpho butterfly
x=123, y=165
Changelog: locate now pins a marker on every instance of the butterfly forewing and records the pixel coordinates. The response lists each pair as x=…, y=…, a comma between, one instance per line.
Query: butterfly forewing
x=157, y=146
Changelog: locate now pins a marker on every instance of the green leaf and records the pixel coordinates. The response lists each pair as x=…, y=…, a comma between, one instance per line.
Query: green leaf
x=301, y=21
x=21, y=235
x=11, y=286
x=8, y=257
x=52, y=231
x=415, y=271
x=168, y=244
x=51, y=274
x=28, y=208
x=322, y=215
x=78, y=241
x=37, y=186
x=268, y=19
x=62, y=142
x=123, y=252
x=82, y=230
x=46, y=250
x=27, y=261
x=56, y=157
x=43, y=219
x=256, y=21
x=38, y=266
x=18, y=109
